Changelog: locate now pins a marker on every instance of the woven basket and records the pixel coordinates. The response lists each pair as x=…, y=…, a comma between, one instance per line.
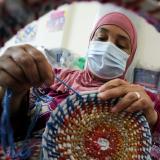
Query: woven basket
x=83, y=128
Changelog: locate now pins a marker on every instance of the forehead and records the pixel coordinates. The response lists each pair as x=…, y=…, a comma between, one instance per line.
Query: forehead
x=113, y=30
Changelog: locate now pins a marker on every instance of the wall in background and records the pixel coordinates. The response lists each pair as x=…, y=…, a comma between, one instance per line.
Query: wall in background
x=83, y=17
x=79, y=26
x=75, y=32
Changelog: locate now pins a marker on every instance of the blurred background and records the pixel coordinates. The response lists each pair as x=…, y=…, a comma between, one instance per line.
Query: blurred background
x=61, y=30
x=15, y=14
x=63, y=27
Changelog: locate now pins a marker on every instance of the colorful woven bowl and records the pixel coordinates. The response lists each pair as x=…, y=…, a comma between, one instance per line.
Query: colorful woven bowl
x=83, y=128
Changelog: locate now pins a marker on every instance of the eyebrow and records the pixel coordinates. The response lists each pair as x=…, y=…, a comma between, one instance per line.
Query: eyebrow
x=122, y=37
x=103, y=30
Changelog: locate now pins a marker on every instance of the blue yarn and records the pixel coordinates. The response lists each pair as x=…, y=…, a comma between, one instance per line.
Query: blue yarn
x=6, y=129
x=61, y=111
x=41, y=97
x=7, y=138
x=69, y=87
x=25, y=153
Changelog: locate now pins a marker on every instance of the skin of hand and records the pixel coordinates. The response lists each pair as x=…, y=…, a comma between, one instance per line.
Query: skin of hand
x=22, y=67
x=129, y=101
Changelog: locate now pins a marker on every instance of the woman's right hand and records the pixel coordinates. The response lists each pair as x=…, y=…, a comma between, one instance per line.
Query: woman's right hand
x=22, y=67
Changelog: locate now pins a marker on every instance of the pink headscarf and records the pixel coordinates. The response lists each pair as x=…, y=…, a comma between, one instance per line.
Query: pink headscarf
x=122, y=21
x=84, y=80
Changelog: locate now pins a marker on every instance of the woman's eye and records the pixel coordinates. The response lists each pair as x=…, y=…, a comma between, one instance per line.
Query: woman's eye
x=121, y=46
x=101, y=38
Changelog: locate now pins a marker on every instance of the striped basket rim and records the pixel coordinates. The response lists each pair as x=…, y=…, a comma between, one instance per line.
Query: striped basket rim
x=67, y=109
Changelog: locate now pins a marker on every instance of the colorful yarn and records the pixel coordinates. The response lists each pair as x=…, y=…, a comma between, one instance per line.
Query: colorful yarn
x=7, y=140
x=86, y=129
x=6, y=130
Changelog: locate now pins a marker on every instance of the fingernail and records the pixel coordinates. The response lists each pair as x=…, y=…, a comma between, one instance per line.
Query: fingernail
x=100, y=89
x=100, y=95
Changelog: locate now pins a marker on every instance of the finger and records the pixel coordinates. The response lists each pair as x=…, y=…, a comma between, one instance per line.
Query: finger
x=125, y=102
x=43, y=67
x=25, y=61
x=112, y=84
x=10, y=67
x=113, y=93
x=139, y=105
x=11, y=82
x=8, y=80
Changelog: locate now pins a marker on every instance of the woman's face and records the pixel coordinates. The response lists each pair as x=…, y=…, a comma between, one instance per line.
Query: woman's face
x=115, y=35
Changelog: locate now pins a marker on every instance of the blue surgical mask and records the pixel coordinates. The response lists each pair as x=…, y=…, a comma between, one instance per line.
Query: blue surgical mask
x=106, y=60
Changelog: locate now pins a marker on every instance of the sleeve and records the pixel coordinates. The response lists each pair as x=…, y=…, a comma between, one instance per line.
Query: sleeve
x=155, y=151
x=157, y=125
x=156, y=99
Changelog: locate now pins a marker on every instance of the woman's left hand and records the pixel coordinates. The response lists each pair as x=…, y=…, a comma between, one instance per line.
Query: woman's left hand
x=134, y=98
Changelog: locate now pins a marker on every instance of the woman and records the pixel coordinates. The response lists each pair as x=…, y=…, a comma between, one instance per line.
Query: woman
x=111, y=50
